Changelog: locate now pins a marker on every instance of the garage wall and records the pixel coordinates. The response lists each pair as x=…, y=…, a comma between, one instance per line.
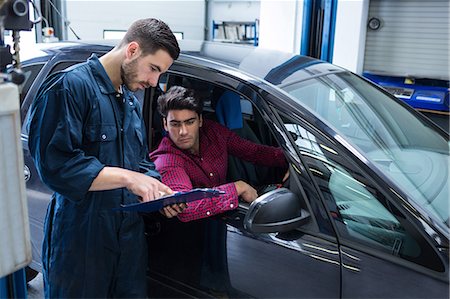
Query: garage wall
x=413, y=39
x=90, y=18
x=350, y=34
x=281, y=25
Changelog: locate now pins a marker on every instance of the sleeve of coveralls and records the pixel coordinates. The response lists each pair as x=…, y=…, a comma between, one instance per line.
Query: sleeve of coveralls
x=56, y=123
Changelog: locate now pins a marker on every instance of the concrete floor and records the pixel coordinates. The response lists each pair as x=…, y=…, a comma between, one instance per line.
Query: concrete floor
x=35, y=287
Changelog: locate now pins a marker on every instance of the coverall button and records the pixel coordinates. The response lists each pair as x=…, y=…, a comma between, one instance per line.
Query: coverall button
x=103, y=136
x=131, y=103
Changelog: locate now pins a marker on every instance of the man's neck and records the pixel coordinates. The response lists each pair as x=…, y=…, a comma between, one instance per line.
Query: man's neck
x=195, y=149
x=111, y=62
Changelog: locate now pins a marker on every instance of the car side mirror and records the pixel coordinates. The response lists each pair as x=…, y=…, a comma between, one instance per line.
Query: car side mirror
x=276, y=211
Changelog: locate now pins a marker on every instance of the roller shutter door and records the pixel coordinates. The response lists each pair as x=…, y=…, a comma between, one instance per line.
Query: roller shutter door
x=413, y=39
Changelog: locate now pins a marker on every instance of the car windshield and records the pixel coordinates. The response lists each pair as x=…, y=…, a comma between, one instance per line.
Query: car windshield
x=395, y=140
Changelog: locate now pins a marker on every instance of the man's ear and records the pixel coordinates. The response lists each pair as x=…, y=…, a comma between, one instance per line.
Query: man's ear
x=165, y=124
x=132, y=50
x=201, y=120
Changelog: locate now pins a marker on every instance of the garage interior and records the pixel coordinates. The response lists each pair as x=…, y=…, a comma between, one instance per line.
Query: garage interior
x=402, y=46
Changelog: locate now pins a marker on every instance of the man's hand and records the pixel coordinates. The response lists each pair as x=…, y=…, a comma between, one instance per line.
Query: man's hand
x=137, y=183
x=173, y=210
x=286, y=177
x=245, y=191
x=149, y=189
x=146, y=187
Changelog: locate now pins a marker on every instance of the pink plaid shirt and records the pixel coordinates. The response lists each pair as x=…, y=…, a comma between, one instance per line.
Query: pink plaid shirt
x=183, y=171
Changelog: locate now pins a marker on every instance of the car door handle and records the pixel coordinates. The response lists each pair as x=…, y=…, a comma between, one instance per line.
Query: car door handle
x=26, y=173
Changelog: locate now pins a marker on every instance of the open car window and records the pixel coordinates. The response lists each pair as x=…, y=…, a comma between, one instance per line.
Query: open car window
x=232, y=110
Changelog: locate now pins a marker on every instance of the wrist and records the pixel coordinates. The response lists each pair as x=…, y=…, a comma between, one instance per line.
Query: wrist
x=124, y=176
x=239, y=187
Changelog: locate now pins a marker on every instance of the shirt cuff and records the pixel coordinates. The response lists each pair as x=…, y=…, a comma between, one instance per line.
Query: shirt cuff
x=211, y=206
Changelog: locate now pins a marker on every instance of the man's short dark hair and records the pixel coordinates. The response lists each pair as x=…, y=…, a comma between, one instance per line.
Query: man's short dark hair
x=179, y=98
x=152, y=35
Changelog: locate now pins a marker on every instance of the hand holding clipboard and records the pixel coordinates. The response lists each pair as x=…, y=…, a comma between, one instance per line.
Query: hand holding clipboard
x=179, y=197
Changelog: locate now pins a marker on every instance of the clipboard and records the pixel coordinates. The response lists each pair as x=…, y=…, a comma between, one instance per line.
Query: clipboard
x=179, y=197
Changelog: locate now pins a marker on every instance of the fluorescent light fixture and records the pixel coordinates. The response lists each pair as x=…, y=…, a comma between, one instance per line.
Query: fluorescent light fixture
x=178, y=35
x=113, y=34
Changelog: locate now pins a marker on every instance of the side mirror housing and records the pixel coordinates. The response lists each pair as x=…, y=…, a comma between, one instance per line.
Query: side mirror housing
x=276, y=211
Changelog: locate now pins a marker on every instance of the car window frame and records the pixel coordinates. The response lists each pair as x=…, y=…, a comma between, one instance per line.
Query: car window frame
x=25, y=86
x=259, y=100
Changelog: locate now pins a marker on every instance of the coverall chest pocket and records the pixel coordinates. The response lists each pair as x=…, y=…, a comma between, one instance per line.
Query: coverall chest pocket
x=102, y=142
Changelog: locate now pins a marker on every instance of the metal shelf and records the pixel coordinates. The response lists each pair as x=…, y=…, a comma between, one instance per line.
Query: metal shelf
x=235, y=32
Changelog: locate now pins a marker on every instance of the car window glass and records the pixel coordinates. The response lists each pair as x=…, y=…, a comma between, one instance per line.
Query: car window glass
x=341, y=107
x=364, y=114
x=359, y=210
x=394, y=139
x=163, y=81
x=30, y=72
x=62, y=65
x=35, y=70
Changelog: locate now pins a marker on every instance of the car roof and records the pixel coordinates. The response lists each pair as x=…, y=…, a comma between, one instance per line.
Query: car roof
x=270, y=65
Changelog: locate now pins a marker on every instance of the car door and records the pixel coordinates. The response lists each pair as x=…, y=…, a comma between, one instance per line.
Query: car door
x=384, y=253
x=235, y=262
x=285, y=264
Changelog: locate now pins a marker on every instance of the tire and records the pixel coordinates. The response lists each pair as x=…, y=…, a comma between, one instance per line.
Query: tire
x=30, y=274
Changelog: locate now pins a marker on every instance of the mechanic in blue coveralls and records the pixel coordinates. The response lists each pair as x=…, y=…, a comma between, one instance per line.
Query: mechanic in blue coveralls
x=88, y=141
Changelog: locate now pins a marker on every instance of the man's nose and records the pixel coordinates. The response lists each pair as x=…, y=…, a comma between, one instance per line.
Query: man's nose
x=183, y=129
x=153, y=80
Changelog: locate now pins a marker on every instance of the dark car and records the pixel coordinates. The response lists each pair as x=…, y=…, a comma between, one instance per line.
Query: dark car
x=365, y=212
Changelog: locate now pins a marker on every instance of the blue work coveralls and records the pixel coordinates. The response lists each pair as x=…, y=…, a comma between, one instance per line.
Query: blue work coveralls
x=78, y=125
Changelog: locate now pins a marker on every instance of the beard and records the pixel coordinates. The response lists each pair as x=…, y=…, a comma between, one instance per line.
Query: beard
x=128, y=74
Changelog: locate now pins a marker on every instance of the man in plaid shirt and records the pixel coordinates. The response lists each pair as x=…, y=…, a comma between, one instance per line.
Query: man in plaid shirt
x=195, y=155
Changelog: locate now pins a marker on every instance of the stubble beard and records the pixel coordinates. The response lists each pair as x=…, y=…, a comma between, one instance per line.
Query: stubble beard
x=128, y=74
